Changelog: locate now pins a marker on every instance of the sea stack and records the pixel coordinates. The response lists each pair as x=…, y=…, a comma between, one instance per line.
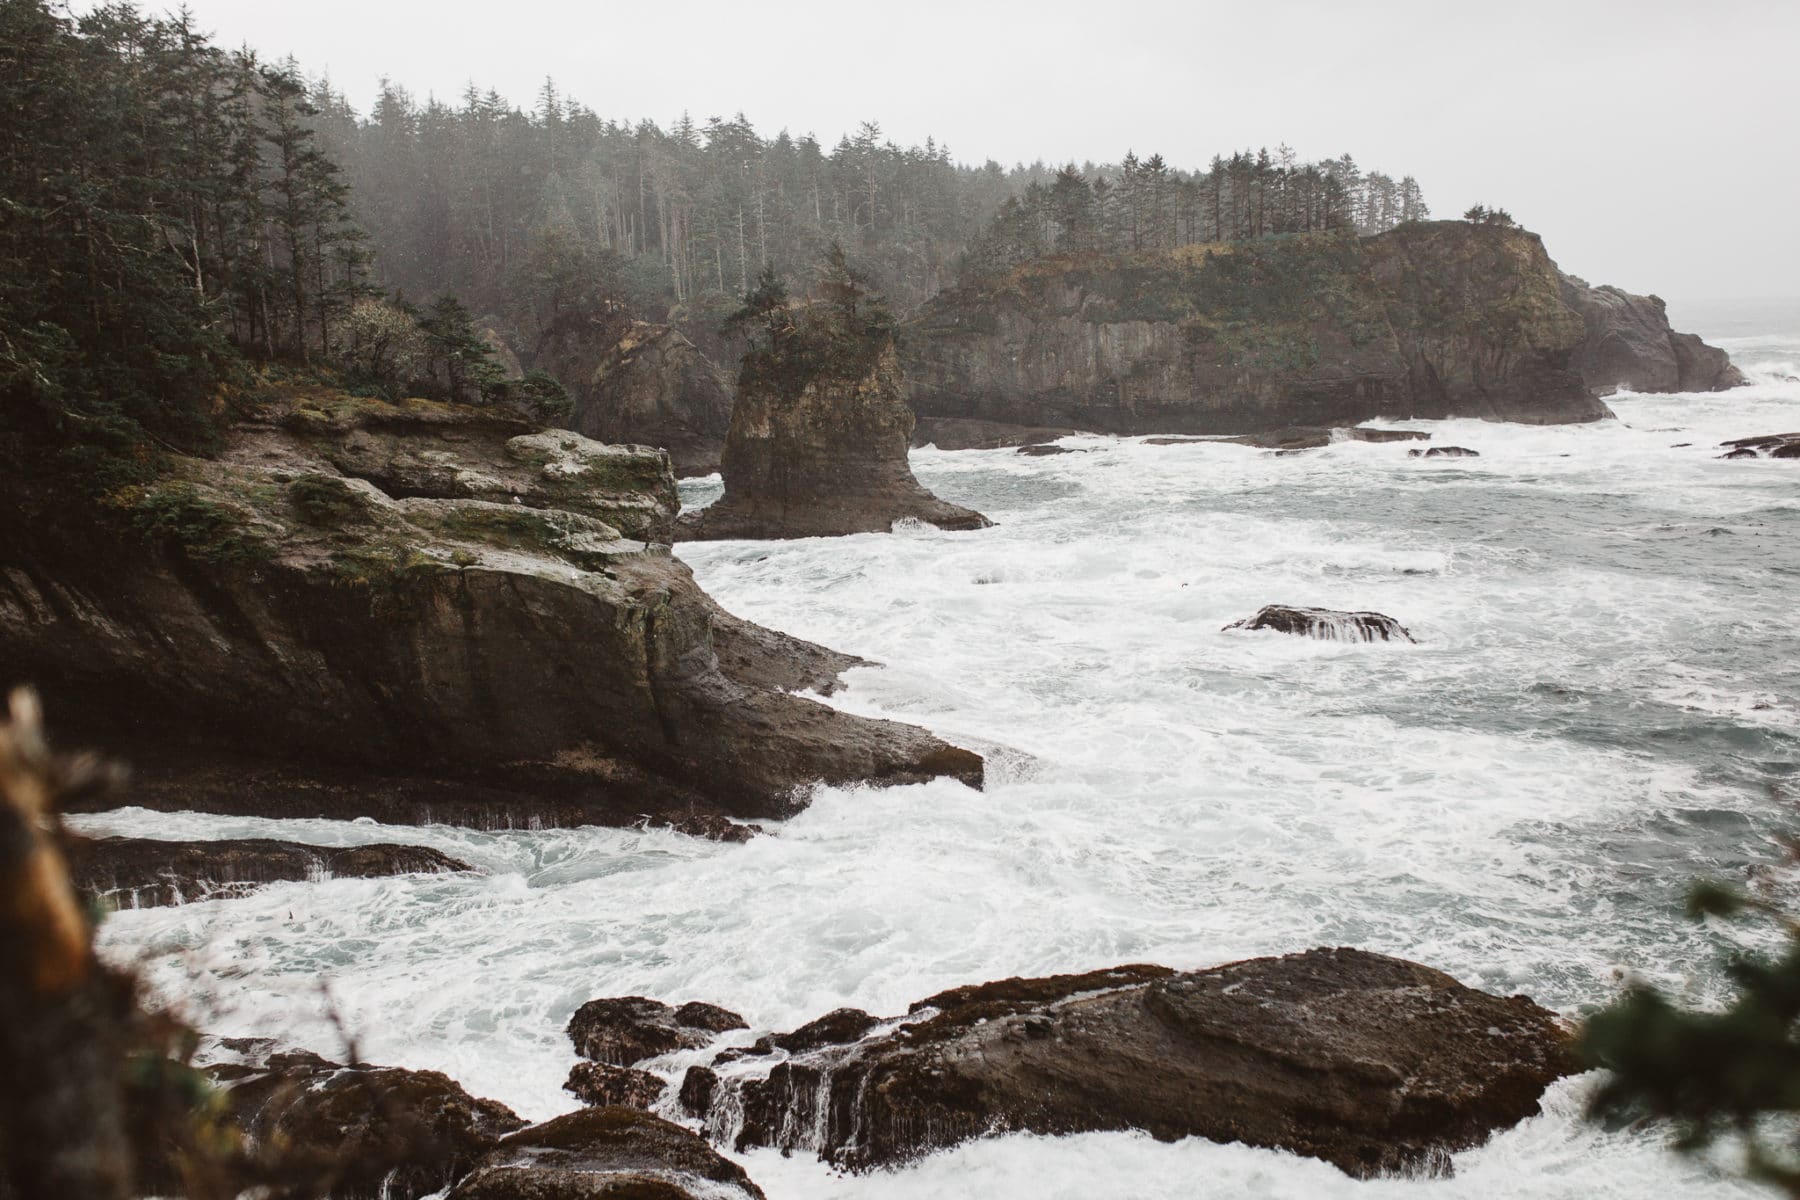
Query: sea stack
x=820, y=431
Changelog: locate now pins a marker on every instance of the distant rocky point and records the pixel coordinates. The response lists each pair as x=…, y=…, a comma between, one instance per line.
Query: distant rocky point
x=1427, y=320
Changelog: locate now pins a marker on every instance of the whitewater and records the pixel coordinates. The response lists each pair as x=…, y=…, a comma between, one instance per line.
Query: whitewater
x=1603, y=704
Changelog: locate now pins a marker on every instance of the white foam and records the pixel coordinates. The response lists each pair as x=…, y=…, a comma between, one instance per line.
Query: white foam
x=1518, y=799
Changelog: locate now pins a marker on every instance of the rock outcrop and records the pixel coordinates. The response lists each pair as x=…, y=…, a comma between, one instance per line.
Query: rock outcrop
x=365, y=1133
x=1630, y=347
x=606, y=1154
x=821, y=453
x=1327, y=624
x=952, y=433
x=1443, y=319
x=417, y=612
x=655, y=388
x=1444, y=452
x=145, y=872
x=1769, y=445
x=625, y=1030
x=1371, y=1063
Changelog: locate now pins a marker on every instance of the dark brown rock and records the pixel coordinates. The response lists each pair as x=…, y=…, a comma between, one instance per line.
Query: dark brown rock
x=1771, y=445
x=834, y=1028
x=1629, y=345
x=653, y=387
x=697, y=1087
x=1430, y=320
x=951, y=433
x=1444, y=452
x=830, y=460
x=374, y=1133
x=304, y=643
x=1371, y=1063
x=625, y=1030
x=599, y=1083
x=1327, y=624
x=1312, y=438
x=606, y=1154
x=145, y=872
x=1047, y=451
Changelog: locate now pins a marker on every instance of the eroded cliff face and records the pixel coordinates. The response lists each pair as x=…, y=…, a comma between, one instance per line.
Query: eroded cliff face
x=1630, y=347
x=420, y=612
x=830, y=460
x=1428, y=320
x=655, y=388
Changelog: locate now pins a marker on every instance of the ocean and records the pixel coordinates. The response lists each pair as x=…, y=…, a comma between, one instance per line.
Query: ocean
x=1603, y=705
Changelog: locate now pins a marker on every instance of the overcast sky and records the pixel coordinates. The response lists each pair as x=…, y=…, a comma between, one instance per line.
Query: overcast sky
x=1654, y=143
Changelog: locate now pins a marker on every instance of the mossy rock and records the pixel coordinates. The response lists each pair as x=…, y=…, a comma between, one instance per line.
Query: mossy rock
x=326, y=501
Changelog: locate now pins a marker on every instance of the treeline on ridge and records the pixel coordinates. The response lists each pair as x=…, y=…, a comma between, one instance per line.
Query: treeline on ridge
x=173, y=210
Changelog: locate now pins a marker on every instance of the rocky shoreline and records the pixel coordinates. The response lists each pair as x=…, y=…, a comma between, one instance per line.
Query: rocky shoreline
x=422, y=612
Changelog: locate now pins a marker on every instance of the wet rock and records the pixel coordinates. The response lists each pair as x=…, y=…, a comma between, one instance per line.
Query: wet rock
x=624, y=1030
x=834, y=1028
x=1311, y=438
x=950, y=433
x=610, y=1153
x=304, y=643
x=601, y=1084
x=377, y=1133
x=1430, y=320
x=145, y=872
x=653, y=387
x=1770, y=445
x=1630, y=347
x=827, y=461
x=1047, y=451
x=1371, y=1063
x=697, y=1088
x=1444, y=452
x=1327, y=624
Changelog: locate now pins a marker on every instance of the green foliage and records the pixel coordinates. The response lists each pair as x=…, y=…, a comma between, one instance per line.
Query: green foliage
x=541, y=395
x=460, y=363
x=841, y=335
x=1734, y=1072
x=1147, y=207
x=176, y=513
x=326, y=500
x=1481, y=214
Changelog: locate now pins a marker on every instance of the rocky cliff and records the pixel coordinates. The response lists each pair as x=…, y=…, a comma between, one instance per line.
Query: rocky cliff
x=1630, y=347
x=1428, y=320
x=655, y=388
x=415, y=612
x=821, y=456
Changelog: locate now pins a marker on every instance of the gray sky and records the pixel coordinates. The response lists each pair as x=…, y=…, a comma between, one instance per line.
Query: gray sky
x=1654, y=144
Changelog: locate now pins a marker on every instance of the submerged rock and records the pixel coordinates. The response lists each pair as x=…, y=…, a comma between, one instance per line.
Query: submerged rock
x=418, y=612
x=1444, y=452
x=1768, y=445
x=1429, y=320
x=653, y=387
x=374, y=1133
x=625, y=1030
x=1371, y=1063
x=610, y=1153
x=1630, y=347
x=1046, y=451
x=819, y=453
x=1327, y=623
x=146, y=872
